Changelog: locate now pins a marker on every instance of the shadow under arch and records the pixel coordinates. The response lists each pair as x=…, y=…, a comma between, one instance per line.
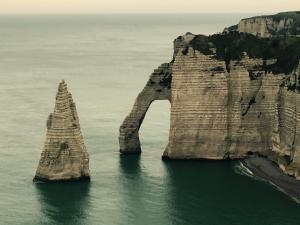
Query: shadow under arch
x=158, y=87
x=64, y=203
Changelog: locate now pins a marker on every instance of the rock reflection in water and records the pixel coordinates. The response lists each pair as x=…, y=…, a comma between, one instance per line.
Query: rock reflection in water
x=64, y=203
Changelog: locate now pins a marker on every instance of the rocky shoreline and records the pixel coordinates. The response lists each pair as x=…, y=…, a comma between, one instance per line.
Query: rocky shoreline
x=267, y=170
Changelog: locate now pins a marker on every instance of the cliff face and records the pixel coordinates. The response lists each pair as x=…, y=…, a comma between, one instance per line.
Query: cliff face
x=220, y=115
x=267, y=26
x=64, y=156
x=216, y=114
x=226, y=104
x=286, y=135
x=263, y=26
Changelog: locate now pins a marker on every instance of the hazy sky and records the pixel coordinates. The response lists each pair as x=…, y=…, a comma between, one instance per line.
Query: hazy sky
x=141, y=6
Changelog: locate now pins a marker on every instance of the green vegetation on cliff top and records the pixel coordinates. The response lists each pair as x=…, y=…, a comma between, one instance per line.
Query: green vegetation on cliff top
x=232, y=45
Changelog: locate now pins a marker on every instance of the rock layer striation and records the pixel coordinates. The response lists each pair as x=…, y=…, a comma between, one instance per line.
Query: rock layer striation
x=64, y=157
x=158, y=87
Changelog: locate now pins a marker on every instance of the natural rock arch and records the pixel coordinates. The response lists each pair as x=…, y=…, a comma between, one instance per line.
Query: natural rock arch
x=158, y=87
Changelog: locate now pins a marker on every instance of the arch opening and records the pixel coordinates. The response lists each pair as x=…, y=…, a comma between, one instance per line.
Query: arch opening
x=158, y=87
x=154, y=131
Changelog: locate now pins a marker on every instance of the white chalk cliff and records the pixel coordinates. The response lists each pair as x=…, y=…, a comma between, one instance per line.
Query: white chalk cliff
x=222, y=110
x=64, y=157
x=287, y=23
x=263, y=26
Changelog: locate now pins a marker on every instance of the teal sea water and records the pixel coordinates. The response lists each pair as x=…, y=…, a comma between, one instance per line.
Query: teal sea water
x=106, y=60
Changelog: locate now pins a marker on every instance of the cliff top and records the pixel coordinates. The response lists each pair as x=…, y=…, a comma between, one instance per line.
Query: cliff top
x=233, y=45
x=295, y=15
x=281, y=45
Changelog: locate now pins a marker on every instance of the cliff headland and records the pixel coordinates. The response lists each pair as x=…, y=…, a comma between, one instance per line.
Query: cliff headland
x=233, y=95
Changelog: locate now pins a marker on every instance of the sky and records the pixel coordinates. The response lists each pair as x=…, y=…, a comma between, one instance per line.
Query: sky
x=146, y=6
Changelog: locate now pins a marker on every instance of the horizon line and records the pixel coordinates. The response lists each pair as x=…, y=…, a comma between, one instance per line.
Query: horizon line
x=126, y=13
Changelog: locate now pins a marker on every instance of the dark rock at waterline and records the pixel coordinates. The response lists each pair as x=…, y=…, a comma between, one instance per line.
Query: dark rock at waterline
x=74, y=179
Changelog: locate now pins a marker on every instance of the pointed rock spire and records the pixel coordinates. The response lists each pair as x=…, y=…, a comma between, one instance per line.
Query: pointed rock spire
x=64, y=157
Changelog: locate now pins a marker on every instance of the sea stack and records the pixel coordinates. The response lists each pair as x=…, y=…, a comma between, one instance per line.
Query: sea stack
x=64, y=157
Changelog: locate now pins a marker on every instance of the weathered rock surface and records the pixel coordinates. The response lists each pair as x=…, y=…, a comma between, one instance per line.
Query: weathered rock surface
x=225, y=108
x=217, y=114
x=64, y=157
x=158, y=87
x=263, y=26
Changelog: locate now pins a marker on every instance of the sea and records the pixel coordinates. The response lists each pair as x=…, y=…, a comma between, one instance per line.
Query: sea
x=106, y=60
